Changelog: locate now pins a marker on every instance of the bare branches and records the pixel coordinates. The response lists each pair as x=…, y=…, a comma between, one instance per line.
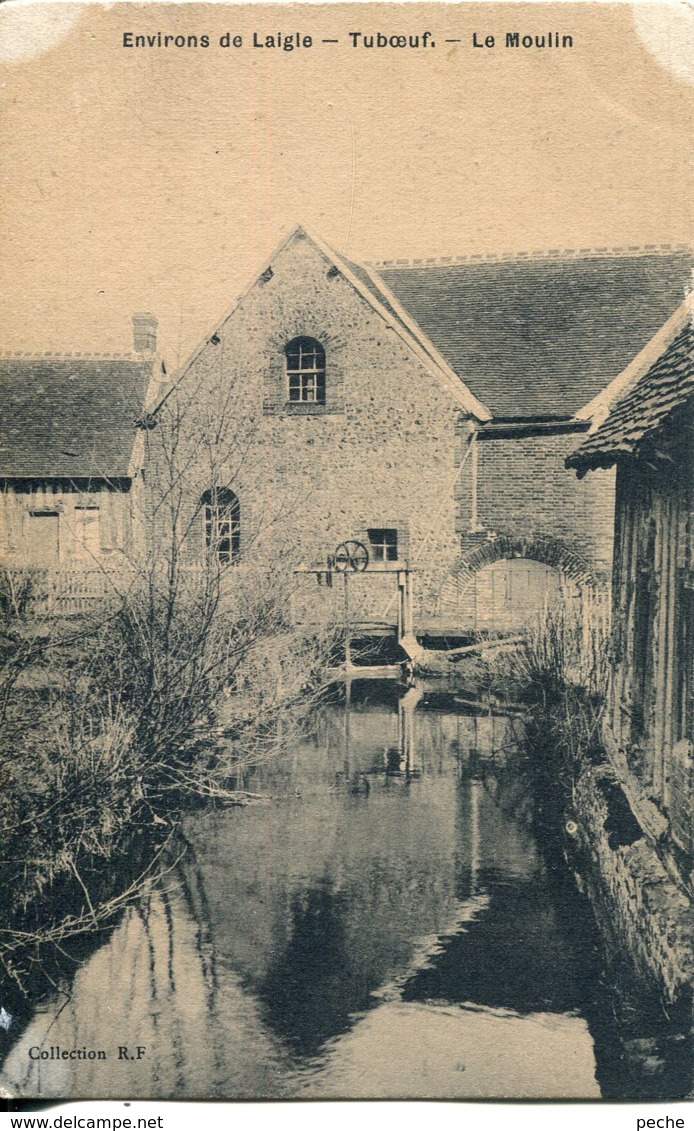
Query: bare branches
x=161, y=696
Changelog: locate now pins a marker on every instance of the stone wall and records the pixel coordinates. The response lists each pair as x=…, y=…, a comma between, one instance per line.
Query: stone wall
x=381, y=452
x=390, y=448
x=642, y=912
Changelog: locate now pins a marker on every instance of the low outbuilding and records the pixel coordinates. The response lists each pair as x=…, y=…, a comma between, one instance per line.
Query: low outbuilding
x=647, y=432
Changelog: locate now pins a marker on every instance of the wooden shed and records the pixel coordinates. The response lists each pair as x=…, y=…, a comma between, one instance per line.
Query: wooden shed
x=68, y=466
x=648, y=433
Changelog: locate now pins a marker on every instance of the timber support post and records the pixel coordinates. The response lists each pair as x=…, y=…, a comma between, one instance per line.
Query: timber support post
x=405, y=604
x=406, y=635
x=348, y=641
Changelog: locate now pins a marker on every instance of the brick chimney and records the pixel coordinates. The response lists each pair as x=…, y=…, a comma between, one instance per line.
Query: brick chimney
x=144, y=333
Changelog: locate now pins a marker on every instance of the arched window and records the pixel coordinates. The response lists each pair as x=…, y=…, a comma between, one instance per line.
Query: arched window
x=222, y=524
x=305, y=358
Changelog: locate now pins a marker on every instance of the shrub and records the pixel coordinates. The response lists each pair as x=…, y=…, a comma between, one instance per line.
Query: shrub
x=561, y=671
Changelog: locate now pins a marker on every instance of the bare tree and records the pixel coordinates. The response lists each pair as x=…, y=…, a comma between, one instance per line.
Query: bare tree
x=189, y=670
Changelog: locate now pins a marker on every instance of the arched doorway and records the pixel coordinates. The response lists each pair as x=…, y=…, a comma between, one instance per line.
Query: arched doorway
x=512, y=591
x=504, y=584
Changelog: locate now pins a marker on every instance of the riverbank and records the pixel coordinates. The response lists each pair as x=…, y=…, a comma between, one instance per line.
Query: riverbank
x=640, y=909
x=111, y=725
x=645, y=916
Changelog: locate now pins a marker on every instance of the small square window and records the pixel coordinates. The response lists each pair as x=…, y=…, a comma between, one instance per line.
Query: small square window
x=383, y=544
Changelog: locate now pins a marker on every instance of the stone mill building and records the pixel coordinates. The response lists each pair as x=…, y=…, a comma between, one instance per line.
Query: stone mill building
x=423, y=409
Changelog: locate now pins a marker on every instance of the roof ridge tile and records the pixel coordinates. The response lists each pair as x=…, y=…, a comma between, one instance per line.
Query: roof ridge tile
x=70, y=355
x=603, y=252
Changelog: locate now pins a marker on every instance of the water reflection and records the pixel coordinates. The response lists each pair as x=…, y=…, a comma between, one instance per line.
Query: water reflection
x=154, y=986
x=383, y=926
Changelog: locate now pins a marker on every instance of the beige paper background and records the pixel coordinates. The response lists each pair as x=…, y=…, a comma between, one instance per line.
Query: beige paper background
x=160, y=179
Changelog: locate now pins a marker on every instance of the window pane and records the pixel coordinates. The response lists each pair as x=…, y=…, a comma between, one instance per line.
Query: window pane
x=383, y=544
x=320, y=387
x=294, y=387
x=223, y=527
x=305, y=367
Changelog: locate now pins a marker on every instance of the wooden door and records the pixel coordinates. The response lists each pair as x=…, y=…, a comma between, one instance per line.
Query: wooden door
x=43, y=544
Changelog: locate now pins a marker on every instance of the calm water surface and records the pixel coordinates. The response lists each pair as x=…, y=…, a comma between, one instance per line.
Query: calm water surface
x=384, y=926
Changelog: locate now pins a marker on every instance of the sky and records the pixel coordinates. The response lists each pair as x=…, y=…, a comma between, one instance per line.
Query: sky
x=161, y=179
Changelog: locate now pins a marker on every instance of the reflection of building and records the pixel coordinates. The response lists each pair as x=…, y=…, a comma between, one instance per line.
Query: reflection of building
x=154, y=986
x=424, y=409
x=647, y=433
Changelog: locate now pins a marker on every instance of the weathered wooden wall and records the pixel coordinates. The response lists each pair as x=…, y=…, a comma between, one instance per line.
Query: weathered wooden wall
x=650, y=705
x=56, y=524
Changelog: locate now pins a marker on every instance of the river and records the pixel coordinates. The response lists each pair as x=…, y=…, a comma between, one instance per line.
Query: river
x=385, y=925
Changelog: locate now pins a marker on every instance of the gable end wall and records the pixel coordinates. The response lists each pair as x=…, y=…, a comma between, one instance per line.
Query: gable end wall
x=383, y=451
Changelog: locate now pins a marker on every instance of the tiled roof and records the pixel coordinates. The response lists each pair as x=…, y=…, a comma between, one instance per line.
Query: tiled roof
x=69, y=416
x=373, y=285
x=644, y=408
x=541, y=337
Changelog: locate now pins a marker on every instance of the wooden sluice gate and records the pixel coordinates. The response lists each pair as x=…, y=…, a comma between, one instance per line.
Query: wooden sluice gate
x=346, y=575
x=343, y=570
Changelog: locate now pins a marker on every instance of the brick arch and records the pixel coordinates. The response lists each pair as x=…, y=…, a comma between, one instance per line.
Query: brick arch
x=454, y=593
x=549, y=551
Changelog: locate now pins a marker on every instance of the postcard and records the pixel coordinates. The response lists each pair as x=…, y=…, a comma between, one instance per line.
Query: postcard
x=346, y=552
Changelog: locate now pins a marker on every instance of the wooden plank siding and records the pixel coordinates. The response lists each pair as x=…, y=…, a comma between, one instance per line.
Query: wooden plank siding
x=22, y=503
x=650, y=712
